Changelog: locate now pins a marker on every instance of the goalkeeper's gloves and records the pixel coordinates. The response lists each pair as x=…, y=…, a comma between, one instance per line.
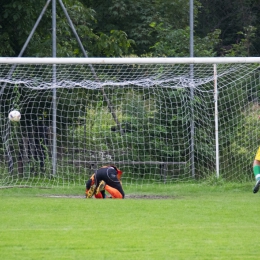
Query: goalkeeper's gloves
x=91, y=192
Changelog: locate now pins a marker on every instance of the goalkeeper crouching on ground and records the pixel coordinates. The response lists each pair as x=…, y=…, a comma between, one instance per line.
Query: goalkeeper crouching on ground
x=107, y=178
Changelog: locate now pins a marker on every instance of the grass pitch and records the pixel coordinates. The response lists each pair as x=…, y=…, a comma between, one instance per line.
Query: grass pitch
x=182, y=221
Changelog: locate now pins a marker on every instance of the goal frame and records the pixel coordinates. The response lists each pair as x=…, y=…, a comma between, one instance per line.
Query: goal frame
x=136, y=60
x=161, y=60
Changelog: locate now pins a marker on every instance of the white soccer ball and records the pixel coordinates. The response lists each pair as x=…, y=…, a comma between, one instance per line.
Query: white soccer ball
x=14, y=116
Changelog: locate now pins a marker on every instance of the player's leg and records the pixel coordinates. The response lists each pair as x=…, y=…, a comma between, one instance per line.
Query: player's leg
x=114, y=183
x=256, y=170
x=115, y=193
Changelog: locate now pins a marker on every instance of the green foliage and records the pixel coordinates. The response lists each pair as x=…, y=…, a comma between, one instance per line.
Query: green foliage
x=124, y=27
x=17, y=20
x=243, y=144
x=113, y=45
x=243, y=47
x=176, y=42
x=148, y=127
x=231, y=22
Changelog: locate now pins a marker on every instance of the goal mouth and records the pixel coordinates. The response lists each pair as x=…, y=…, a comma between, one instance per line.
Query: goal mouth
x=160, y=121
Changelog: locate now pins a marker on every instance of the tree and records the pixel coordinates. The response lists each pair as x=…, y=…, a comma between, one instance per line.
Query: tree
x=134, y=17
x=176, y=43
x=233, y=18
x=17, y=19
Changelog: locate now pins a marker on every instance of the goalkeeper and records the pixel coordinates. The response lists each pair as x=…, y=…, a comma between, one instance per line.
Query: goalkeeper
x=107, y=178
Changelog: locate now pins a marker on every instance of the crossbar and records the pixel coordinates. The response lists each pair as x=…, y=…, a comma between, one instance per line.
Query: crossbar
x=191, y=60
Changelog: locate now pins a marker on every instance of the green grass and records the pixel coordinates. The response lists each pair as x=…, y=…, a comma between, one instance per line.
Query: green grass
x=197, y=221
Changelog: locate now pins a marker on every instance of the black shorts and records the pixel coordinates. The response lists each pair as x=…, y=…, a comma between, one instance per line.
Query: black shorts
x=109, y=176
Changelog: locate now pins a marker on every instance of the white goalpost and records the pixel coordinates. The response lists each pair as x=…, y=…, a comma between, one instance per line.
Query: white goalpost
x=160, y=120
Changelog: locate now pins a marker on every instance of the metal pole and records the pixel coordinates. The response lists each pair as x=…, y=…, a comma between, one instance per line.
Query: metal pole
x=216, y=119
x=191, y=29
x=6, y=131
x=192, y=92
x=54, y=105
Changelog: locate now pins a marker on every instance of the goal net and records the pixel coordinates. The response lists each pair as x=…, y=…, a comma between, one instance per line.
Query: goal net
x=159, y=120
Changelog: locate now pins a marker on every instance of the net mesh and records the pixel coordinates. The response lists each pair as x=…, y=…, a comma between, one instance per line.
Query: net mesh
x=156, y=122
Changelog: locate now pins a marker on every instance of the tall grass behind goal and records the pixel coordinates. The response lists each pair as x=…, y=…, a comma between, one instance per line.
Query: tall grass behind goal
x=159, y=120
